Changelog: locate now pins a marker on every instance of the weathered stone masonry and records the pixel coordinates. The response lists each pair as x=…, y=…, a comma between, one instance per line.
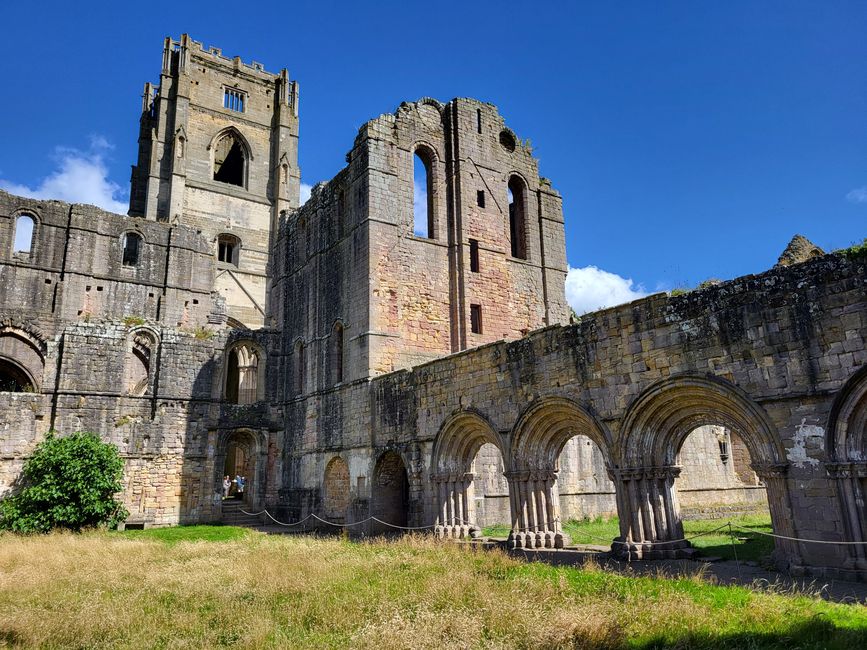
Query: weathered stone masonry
x=368, y=392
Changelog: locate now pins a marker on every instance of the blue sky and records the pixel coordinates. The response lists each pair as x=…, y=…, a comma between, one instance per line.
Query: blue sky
x=689, y=139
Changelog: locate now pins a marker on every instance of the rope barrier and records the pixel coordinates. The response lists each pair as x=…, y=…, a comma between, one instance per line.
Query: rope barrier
x=794, y=539
x=727, y=524
x=332, y=523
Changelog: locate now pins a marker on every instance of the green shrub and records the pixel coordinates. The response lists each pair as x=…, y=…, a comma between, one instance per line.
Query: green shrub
x=855, y=251
x=68, y=482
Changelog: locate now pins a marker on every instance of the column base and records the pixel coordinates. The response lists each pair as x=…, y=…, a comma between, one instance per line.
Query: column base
x=537, y=539
x=661, y=550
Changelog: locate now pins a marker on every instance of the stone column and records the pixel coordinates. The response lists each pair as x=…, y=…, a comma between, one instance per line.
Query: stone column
x=650, y=526
x=518, y=497
x=851, y=481
x=774, y=476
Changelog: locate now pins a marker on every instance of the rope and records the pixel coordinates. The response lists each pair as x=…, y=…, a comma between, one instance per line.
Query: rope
x=728, y=525
x=333, y=523
x=794, y=539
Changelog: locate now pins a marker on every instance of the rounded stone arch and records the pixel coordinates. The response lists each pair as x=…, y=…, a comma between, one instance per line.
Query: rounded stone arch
x=846, y=444
x=459, y=439
x=658, y=421
x=547, y=424
x=243, y=379
x=22, y=359
x=15, y=221
x=431, y=101
x=846, y=437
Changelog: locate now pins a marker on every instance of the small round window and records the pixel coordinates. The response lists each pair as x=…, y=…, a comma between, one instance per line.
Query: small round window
x=507, y=140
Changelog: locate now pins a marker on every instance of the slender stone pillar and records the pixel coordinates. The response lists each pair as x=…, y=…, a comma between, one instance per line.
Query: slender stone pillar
x=851, y=481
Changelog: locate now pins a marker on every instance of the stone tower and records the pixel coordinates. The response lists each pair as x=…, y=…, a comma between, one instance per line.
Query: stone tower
x=218, y=152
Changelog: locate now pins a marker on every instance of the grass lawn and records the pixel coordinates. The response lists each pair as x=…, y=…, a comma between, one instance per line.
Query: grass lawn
x=218, y=587
x=749, y=545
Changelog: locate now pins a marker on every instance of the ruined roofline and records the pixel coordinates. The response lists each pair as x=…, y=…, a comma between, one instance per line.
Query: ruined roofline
x=30, y=202
x=693, y=304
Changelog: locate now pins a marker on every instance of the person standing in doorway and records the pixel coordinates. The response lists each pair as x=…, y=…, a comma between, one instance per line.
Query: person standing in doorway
x=242, y=483
x=227, y=485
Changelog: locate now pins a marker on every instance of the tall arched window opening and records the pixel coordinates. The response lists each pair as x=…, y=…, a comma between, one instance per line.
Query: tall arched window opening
x=230, y=161
x=335, y=353
x=23, y=234
x=131, y=249
x=242, y=375
x=422, y=194
x=517, y=218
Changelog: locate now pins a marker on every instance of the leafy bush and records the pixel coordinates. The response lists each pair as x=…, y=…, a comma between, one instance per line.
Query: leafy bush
x=68, y=482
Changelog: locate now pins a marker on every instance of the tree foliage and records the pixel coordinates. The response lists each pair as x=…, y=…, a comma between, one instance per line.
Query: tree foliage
x=69, y=482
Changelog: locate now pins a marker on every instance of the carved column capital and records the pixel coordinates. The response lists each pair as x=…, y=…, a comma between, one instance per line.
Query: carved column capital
x=771, y=470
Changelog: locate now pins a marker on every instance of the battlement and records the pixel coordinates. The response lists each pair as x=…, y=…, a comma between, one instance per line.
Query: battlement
x=214, y=55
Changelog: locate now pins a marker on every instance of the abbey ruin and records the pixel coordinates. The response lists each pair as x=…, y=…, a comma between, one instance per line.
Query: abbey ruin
x=351, y=360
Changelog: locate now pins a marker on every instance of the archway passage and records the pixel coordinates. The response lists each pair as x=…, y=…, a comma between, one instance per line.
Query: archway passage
x=540, y=438
x=583, y=485
x=490, y=490
x=390, y=498
x=847, y=447
x=654, y=431
x=239, y=468
x=717, y=484
x=455, y=461
x=13, y=379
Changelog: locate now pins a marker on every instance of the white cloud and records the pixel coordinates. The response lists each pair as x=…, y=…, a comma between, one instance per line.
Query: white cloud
x=305, y=192
x=858, y=195
x=80, y=177
x=590, y=288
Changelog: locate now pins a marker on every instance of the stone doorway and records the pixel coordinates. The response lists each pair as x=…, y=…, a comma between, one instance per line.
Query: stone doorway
x=390, y=498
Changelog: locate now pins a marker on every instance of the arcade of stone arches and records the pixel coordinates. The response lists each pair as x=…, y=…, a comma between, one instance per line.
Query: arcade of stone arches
x=641, y=463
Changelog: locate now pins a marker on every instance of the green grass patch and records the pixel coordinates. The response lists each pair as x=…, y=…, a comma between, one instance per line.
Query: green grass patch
x=749, y=544
x=133, y=589
x=203, y=533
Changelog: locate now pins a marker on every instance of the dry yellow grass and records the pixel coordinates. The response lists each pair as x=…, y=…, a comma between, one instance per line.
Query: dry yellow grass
x=102, y=590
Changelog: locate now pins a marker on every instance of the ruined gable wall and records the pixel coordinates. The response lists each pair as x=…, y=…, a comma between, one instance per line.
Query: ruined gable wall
x=422, y=287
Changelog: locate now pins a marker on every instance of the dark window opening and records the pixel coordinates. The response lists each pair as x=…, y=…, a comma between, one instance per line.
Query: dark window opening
x=131, y=249
x=23, y=234
x=232, y=376
x=474, y=256
x=517, y=218
x=479, y=120
x=476, y=319
x=13, y=379
x=227, y=249
x=229, y=161
x=234, y=100
x=480, y=198
x=422, y=194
